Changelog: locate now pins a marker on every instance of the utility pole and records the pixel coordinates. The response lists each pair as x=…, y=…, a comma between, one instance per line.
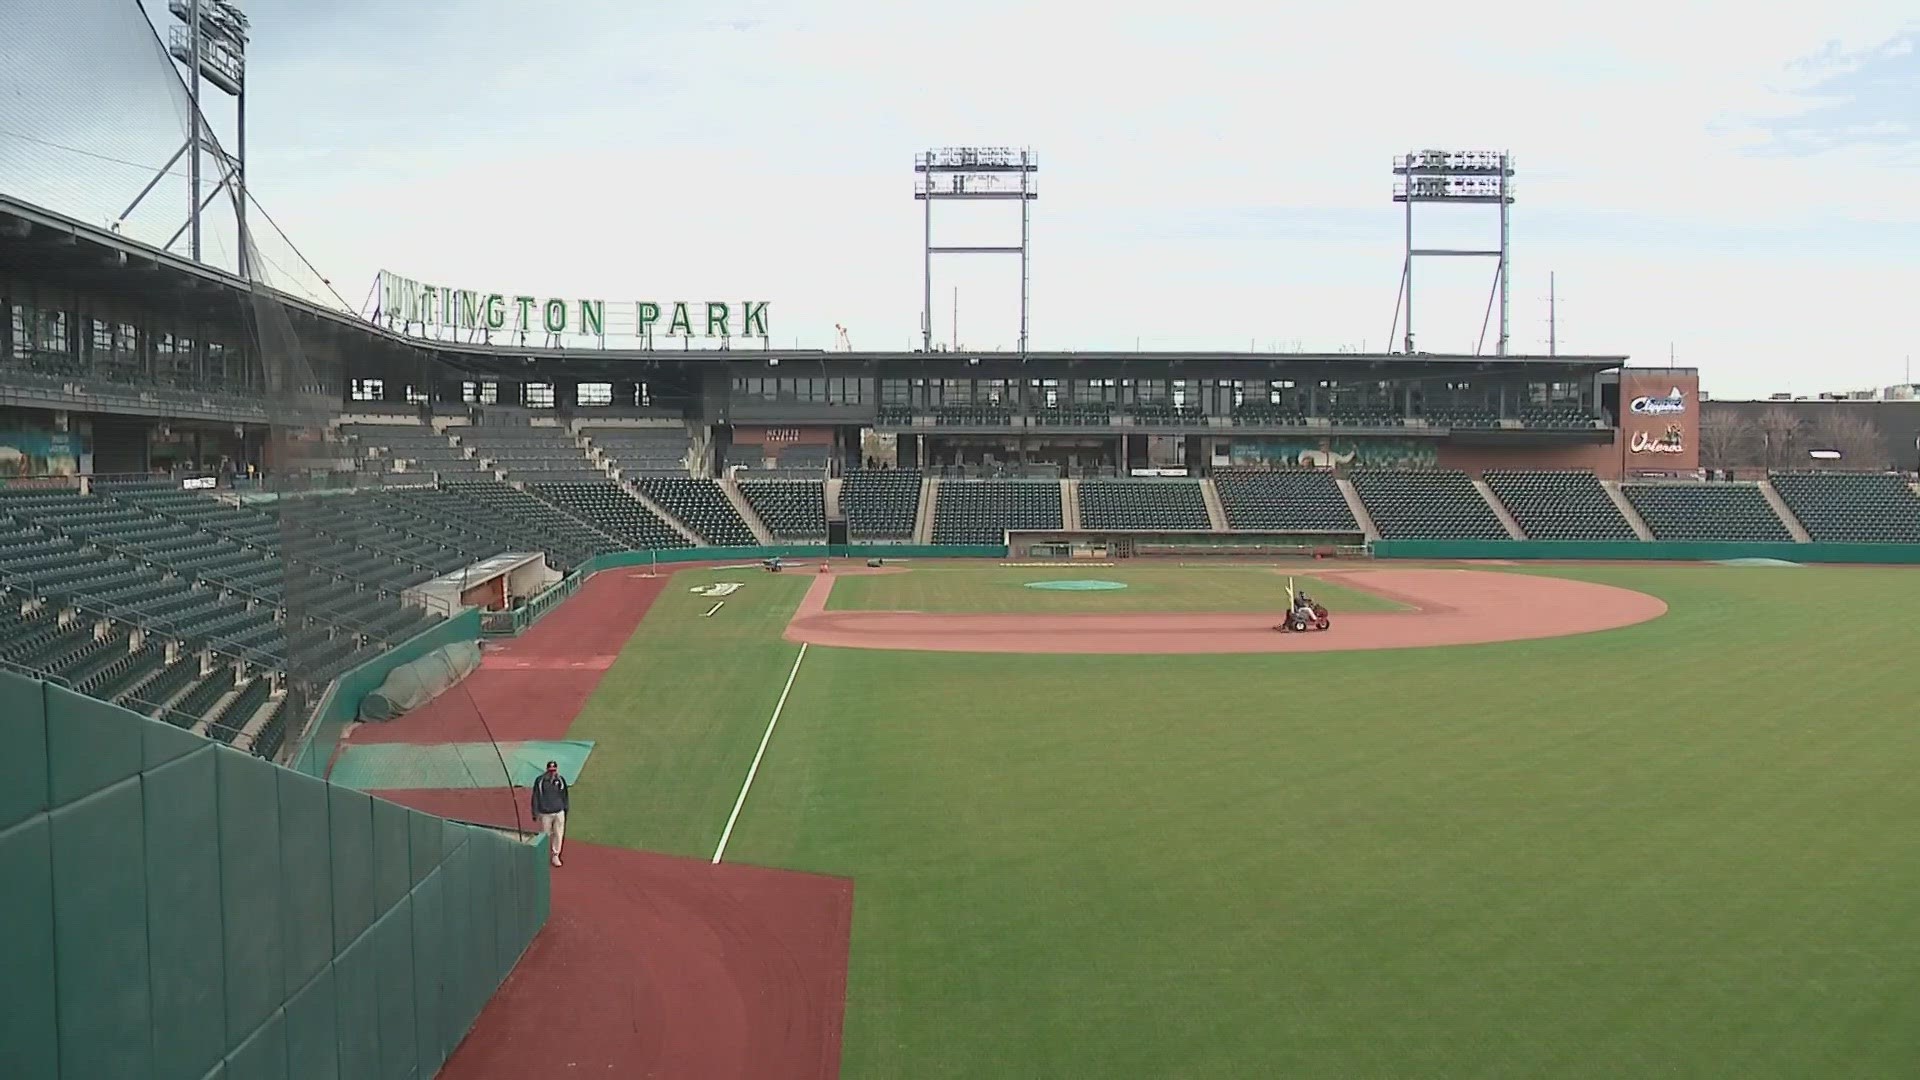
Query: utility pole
x=1553, y=337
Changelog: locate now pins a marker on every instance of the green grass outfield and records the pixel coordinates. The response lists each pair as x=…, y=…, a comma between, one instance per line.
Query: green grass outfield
x=944, y=587
x=1685, y=848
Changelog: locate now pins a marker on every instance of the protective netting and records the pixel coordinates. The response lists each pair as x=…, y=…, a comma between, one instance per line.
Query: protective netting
x=94, y=110
x=95, y=125
x=342, y=588
x=410, y=686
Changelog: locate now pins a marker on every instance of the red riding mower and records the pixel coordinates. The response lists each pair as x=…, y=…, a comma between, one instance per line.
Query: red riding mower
x=1306, y=615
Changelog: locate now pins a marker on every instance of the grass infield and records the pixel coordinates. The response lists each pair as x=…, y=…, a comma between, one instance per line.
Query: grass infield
x=944, y=588
x=1684, y=848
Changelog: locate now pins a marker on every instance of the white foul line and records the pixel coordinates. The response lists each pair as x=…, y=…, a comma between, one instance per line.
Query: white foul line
x=758, y=754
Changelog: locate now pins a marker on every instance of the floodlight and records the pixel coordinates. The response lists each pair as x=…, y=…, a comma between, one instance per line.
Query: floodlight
x=1460, y=177
x=971, y=173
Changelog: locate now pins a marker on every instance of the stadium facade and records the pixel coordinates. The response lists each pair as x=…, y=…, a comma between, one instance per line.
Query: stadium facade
x=120, y=358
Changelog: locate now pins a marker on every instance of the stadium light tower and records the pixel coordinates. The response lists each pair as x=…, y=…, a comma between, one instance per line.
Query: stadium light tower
x=212, y=44
x=1458, y=177
x=975, y=172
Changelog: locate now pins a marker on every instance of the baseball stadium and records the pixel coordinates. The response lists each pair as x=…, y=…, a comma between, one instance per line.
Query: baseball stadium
x=935, y=712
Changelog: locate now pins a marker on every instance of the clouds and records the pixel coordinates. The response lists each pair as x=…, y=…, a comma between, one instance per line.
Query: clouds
x=1865, y=99
x=1729, y=178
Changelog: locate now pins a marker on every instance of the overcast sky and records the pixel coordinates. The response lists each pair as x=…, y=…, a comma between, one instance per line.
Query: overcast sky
x=1734, y=182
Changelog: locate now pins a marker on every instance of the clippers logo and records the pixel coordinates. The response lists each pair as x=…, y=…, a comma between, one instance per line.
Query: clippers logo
x=1674, y=402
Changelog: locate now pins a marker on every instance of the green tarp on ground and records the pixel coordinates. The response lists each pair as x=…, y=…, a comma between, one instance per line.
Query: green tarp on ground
x=401, y=766
x=412, y=685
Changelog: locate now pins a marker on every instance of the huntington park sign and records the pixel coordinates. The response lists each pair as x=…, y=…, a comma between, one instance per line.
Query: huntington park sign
x=440, y=309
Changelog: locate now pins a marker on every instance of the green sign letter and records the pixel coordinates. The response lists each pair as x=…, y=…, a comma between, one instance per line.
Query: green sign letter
x=555, y=316
x=682, y=324
x=526, y=312
x=593, y=318
x=496, y=306
x=716, y=313
x=645, y=314
x=756, y=319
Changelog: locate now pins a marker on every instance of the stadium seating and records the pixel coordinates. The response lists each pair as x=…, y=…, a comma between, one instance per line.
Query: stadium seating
x=544, y=455
x=1163, y=413
x=1555, y=417
x=227, y=722
x=607, y=507
x=972, y=415
x=638, y=450
x=1852, y=507
x=1262, y=414
x=1143, y=504
x=1693, y=511
x=1439, y=504
x=701, y=506
x=1457, y=416
x=1283, y=500
x=1074, y=416
x=790, y=509
x=981, y=511
x=1559, y=505
x=880, y=504
x=519, y=521
x=1368, y=416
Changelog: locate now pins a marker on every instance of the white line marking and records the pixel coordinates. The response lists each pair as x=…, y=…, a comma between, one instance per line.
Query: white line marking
x=714, y=608
x=758, y=754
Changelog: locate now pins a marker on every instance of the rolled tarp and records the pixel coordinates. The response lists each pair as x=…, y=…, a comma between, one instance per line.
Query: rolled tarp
x=412, y=685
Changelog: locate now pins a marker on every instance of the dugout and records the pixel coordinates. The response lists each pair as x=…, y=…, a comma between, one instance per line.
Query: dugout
x=493, y=584
x=1103, y=545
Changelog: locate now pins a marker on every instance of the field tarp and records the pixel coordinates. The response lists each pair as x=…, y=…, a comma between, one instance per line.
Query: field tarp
x=342, y=700
x=1656, y=550
x=417, y=682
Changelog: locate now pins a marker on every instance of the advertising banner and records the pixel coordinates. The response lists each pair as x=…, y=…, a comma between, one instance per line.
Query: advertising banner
x=1660, y=420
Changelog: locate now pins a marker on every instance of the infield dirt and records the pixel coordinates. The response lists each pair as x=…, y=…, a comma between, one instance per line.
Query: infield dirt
x=1445, y=607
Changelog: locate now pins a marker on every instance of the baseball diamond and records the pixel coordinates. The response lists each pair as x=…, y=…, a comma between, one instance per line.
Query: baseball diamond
x=552, y=664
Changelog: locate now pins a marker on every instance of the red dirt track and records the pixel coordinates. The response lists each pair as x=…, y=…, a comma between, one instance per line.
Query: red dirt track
x=653, y=966
x=532, y=686
x=1450, y=607
x=649, y=965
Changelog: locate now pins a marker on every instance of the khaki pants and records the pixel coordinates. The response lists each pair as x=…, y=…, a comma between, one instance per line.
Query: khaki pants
x=553, y=826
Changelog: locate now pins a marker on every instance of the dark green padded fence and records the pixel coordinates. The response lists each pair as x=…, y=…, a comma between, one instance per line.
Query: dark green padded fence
x=173, y=908
x=341, y=703
x=1663, y=550
x=614, y=559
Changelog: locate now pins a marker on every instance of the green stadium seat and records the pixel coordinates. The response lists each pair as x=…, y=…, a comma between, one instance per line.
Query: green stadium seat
x=1706, y=511
x=1438, y=504
x=1552, y=505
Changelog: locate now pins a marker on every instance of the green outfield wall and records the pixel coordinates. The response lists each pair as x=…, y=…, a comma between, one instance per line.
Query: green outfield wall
x=173, y=908
x=1657, y=550
x=615, y=559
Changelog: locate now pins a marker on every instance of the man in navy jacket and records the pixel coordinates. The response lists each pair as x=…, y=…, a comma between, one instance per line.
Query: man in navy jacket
x=550, y=807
